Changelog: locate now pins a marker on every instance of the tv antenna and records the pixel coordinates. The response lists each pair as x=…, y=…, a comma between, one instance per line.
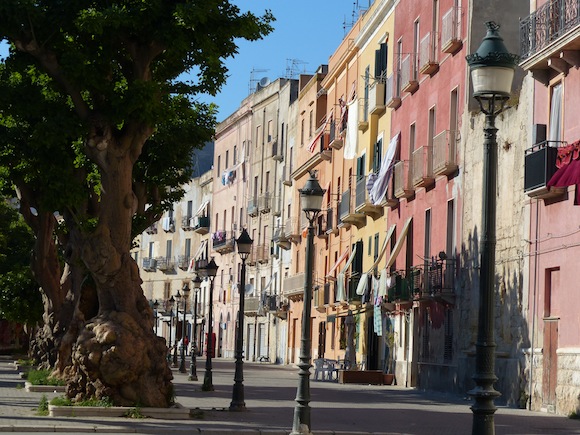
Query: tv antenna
x=293, y=68
x=253, y=80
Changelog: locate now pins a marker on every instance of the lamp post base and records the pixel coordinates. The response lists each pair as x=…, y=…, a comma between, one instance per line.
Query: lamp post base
x=207, y=384
x=192, y=378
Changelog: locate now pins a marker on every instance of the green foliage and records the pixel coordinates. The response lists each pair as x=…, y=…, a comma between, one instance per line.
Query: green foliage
x=42, y=406
x=135, y=413
x=20, y=300
x=43, y=377
x=105, y=402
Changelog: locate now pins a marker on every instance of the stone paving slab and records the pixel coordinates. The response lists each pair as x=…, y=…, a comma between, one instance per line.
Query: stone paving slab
x=270, y=390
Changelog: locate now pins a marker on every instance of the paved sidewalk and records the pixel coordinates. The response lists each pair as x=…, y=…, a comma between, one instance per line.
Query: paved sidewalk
x=269, y=394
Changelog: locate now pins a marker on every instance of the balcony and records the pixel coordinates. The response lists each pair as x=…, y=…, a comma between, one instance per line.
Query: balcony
x=253, y=207
x=331, y=225
x=428, y=59
x=540, y=166
x=183, y=261
x=362, y=202
x=200, y=264
x=265, y=202
x=349, y=214
x=291, y=230
x=165, y=264
x=149, y=264
x=409, y=82
x=168, y=224
x=549, y=39
x=280, y=238
x=200, y=224
x=390, y=199
x=263, y=253
x=223, y=242
x=186, y=223
x=377, y=98
x=403, y=290
x=277, y=153
x=444, y=153
x=286, y=176
x=393, y=95
x=439, y=282
x=152, y=229
x=335, y=138
x=320, y=227
x=294, y=287
x=252, y=257
x=403, y=186
x=422, y=167
x=251, y=306
x=451, y=31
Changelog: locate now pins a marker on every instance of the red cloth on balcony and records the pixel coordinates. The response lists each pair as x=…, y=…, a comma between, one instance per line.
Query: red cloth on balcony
x=568, y=172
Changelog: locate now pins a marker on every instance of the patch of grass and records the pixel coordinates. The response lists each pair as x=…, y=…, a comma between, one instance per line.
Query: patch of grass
x=43, y=406
x=574, y=415
x=19, y=386
x=105, y=402
x=135, y=413
x=25, y=362
x=42, y=377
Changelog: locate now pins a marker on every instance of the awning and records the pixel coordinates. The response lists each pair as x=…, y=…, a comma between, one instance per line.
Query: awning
x=340, y=259
x=201, y=208
x=384, y=248
x=399, y=243
x=201, y=248
x=350, y=259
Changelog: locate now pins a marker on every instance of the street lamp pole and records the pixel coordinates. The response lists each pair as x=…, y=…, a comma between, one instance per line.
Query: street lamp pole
x=210, y=271
x=244, y=244
x=311, y=200
x=171, y=303
x=492, y=70
x=184, y=297
x=155, y=307
x=174, y=363
x=193, y=367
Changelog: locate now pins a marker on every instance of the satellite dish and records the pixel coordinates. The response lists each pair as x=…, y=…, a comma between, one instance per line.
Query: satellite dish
x=249, y=289
x=264, y=81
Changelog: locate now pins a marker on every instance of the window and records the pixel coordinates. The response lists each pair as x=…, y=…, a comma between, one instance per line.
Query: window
x=235, y=155
x=219, y=165
x=267, y=182
x=360, y=167
x=187, y=248
x=270, y=131
x=399, y=64
x=453, y=105
x=416, y=48
x=370, y=246
x=411, y=140
x=189, y=209
x=227, y=159
x=310, y=123
x=151, y=245
x=167, y=290
x=366, y=93
x=450, y=241
x=431, y=127
x=376, y=254
x=381, y=62
x=377, y=156
x=168, y=249
x=258, y=134
x=555, y=126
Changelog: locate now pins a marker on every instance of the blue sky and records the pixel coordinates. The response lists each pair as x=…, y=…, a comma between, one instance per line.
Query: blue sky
x=305, y=31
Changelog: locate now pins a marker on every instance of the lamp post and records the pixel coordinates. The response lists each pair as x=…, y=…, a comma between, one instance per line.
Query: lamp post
x=193, y=367
x=155, y=307
x=184, y=298
x=311, y=200
x=244, y=244
x=171, y=303
x=174, y=362
x=492, y=70
x=210, y=271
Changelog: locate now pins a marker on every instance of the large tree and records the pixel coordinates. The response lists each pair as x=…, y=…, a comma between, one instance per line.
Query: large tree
x=119, y=68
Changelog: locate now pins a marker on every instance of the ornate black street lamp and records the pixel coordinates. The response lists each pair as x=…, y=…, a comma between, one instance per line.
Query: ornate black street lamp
x=492, y=71
x=178, y=297
x=244, y=244
x=193, y=367
x=210, y=271
x=155, y=307
x=311, y=200
x=184, y=298
x=171, y=303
